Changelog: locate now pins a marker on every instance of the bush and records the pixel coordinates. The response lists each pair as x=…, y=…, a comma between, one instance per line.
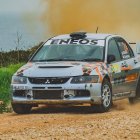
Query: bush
x=5, y=81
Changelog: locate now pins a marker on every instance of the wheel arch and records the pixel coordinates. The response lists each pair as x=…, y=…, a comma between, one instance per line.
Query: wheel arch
x=106, y=77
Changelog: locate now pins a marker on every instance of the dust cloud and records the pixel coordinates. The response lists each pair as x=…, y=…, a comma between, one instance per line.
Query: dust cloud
x=111, y=16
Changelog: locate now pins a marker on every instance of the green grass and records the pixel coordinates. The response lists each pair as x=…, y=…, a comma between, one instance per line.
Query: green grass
x=5, y=81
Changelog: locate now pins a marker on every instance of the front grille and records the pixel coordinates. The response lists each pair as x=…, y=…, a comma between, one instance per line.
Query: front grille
x=57, y=94
x=48, y=80
x=47, y=94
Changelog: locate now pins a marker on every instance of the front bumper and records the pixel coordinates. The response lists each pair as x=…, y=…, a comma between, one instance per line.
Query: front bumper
x=94, y=97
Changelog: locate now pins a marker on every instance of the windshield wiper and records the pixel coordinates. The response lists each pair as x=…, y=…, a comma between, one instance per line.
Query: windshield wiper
x=91, y=59
x=56, y=59
x=61, y=59
x=67, y=59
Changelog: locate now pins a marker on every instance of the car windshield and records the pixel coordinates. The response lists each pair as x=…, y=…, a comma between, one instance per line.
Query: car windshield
x=69, y=53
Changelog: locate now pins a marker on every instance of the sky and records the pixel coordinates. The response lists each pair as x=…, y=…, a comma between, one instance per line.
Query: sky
x=14, y=18
x=18, y=6
x=37, y=20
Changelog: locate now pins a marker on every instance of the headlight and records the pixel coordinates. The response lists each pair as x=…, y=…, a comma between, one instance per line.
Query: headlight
x=85, y=79
x=19, y=80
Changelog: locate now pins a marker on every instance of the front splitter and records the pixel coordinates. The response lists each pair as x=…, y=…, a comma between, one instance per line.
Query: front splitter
x=46, y=101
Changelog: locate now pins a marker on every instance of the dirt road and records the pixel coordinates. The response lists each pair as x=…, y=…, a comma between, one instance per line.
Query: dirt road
x=74, y=123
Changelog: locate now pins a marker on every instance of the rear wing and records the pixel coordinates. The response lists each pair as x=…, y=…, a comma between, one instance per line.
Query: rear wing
x=135, y=46
x=132, y=43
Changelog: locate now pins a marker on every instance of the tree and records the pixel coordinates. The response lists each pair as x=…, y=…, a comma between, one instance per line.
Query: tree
x=18, y=43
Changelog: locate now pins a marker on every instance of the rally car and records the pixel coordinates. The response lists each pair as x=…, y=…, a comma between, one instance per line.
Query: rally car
x=78, y=68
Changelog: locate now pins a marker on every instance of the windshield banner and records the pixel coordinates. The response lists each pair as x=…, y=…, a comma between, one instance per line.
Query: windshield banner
x=76, y=41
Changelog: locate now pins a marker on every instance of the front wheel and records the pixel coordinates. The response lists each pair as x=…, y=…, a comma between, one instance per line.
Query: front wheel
x=106, y=95
x=21, y=108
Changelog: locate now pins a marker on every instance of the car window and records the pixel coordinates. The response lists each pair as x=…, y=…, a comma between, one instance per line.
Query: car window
x=74, y=52
x=113, y=50
x=124, y=48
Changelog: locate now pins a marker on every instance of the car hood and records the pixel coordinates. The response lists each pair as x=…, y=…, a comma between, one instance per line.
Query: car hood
x=58, y=69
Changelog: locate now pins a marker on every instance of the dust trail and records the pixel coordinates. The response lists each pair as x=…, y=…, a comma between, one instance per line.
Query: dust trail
x=112, y=16
x=124, y=105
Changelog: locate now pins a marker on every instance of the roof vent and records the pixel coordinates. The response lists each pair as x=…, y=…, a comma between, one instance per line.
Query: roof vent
x=78, y=35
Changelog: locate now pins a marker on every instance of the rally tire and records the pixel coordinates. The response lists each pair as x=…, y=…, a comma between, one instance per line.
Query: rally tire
x=133, y=100
x=106, y=94
x=21, y=108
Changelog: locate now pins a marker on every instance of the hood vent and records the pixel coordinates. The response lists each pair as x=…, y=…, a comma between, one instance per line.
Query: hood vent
x=50, y=67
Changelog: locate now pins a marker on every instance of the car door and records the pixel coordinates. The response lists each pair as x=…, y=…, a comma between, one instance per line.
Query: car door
x=128, y=65
x=117, y=77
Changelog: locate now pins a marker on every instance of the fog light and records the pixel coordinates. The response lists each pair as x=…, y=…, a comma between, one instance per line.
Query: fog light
x=69, y=93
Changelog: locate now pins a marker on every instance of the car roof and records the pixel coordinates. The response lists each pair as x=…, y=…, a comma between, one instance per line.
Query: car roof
x=88, y=35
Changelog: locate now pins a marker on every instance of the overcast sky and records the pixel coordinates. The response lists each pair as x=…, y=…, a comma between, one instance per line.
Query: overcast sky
x=20, y=16
x=19, y=6
x=37, y=20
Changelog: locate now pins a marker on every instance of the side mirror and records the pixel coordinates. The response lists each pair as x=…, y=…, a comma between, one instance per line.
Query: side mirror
x=138, y=48
x=111, y=58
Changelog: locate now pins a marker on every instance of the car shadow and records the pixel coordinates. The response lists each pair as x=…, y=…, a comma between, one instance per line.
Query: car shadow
x=59, y=109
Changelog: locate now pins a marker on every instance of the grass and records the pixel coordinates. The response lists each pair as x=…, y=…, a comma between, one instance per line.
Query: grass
x=5, y=81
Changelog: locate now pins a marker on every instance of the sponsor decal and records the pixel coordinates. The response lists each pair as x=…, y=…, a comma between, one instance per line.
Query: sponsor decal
x=114, y=68
x=77, y=41
x=100, y=68
x=100, y=76
x=126, y=68
x=86, y=70
x=132, y=77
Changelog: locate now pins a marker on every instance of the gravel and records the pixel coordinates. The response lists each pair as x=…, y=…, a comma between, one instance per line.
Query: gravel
x=72, y=123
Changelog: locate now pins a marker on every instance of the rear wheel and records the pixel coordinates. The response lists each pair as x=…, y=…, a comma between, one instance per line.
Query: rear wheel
x=21, y=108
x=133, y=100
x=106, y=94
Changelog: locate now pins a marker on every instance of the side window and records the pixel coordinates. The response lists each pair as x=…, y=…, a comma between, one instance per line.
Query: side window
x=124, y=48
x=113, y=50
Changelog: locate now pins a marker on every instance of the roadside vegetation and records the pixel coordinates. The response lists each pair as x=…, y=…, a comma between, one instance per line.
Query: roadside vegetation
x=16, y=56
x=10, y=62
x=5, y=80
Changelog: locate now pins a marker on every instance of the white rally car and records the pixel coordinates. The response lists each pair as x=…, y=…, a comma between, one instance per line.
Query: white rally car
x=78, y=68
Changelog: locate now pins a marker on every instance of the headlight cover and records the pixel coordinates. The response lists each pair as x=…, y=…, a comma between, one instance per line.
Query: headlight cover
x=85, y=79
x=19, y=80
